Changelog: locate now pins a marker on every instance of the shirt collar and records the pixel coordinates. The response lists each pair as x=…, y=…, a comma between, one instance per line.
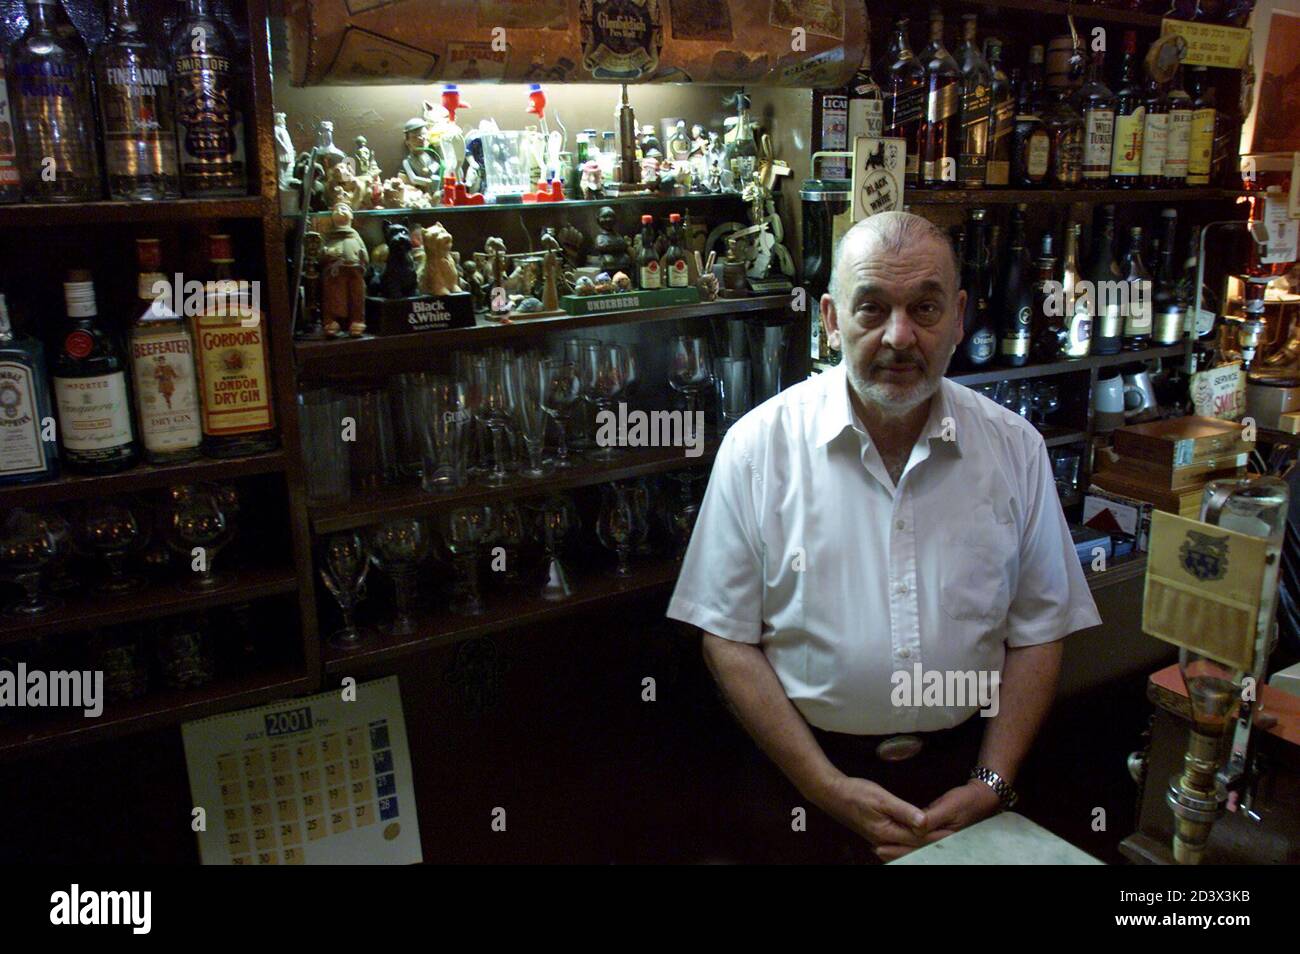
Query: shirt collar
x=837, y=412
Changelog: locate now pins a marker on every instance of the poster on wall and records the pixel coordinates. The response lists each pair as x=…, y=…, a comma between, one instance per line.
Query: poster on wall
x=1272, y=126
x=877, y=182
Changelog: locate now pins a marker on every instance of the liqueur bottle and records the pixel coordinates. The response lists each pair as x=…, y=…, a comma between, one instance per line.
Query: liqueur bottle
x=675, y=270
x=162, y=367
x=1130, y=118
x=1003, y=118
x=1155, y=137
x=90, y=388
x=979, y=344
x=1031, y=152
x=209, y=105
x=1078, y=321
x=1104, y=275
x=938, y=133
x=230, y=338
x=1200, y=148
x=1180, y=133
x=135, y=111
x=1137, y=313
x=1097, y=104
x=1050, y=330
x=1015, y=300
x=1171, y=288
x=905, y=102
x=976, y=108
x=25, y=455
x=54, y=111
x=649, y=274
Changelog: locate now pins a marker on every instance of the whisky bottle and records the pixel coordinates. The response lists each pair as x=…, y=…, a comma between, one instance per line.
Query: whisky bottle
x=1003, y=121
x=1180, y=133
x=1137, y=311
x=135, y=111
x=162, y=367
x=905, y=101
x=11, y=183
x=230, y=338
x=938, y=133
x=1031, y=151
x=1104, y=275
x=1200, y=147
x=90, y=388
x=1065, y=129
x=1015, y=300
x=1097, y=104
x=979, y=344
x=54, y=111
x=976, y=108
x=1130, y=118
x=865, y=103
x=25, y=455
x=831, y=121
x=209, y=105
x=1155, y=137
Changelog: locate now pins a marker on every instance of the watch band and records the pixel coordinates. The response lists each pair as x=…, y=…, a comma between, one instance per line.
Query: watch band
x=1005, y=793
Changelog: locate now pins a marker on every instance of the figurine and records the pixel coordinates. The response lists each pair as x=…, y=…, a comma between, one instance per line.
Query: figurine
x=699, y=144
x=679, y=146
x=621, y=282
x=550, y=285
x=529, y=305
x=309, y=317
x=398, y=279
x=317, y=202
x=440, y=273
x=707, y=282
x=593, y=185
x=611, y=247
x=584, y=286
x=525, y=278
x=364, y=158
x=284, y=154
x=715, y=178
x=420, y=165
x=571, y=241
x=342, y=187
x=475, y=282
x=733, y=268
x=649, y=170
x=604, y=284
x=343, y=268
x=398, y=193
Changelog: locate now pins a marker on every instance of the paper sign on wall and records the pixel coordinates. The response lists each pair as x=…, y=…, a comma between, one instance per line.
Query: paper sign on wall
x=1209, y=44
x=1283, y=232
x=877, y=175
x=1220, y=392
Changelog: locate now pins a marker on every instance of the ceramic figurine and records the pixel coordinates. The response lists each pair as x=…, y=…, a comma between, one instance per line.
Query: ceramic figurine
x=398, y=193
x=284, y=154
x=474, y=282
x=550, y=241
x=529, y=305
x=572, y=241
x=621, y=282
x=421, y=164
x=440, y=273
x=699, y=142
x=604, y=284
x=649, y=170
x=313, y=245
x=398, y=279
x=611, y=246
x=343, y=275
x=715, y=178
x=364, y=158
x=593, y=186
x=525, y=278
x=317, y=202
x=342, y=187
x=584, y=286
x=733, y=267
x=550, y=284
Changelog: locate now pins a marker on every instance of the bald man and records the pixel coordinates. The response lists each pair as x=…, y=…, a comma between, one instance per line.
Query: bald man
x=882, y=573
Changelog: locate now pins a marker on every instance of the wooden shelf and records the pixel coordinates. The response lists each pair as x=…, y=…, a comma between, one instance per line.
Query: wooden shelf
x=140, y=477
x=408, y=500
x=323, y=359
x=1055, y=436
x=439, y=211
x=87, y=609
x=994, y=375
x=29, y=215
x=983, y=197
x=157, y=709
x=1121, y=571
x=1084, y=11
x=508, y=608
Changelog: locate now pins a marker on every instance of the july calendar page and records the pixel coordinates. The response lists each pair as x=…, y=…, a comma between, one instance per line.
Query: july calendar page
x=318, y=780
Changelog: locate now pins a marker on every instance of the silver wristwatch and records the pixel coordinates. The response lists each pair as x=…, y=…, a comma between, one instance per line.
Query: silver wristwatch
x=1005, y=793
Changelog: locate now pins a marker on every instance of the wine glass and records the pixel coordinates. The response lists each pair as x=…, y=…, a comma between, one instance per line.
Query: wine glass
x=616, y=525
x=529, y=387
x=397, y=548
x=198, y=530
x=574, y=349
x=112, y=530
x=29, y=542
x=604, y=375
x=639, y=492
x=346, y=564
x=555, y=518
x=464, y=532
x=561, y=389
x=688, y=368
x=510, y=533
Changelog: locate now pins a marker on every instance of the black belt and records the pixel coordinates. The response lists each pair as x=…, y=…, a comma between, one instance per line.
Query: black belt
x=899, y=747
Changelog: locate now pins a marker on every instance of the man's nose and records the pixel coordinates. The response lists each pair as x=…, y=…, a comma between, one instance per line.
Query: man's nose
x=900, y=333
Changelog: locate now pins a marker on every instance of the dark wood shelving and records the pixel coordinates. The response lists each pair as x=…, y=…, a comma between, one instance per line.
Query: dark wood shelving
x=408, y=500
x=86, y=609
x=982, y=197
x=975, y=378
x=142, y=477
x=1121, y=571
x=155, y=710
x=317, y=359
x=635, y=201
x=1055, y=436
x=28, y=215
x=1084, y=11
x=507, y=609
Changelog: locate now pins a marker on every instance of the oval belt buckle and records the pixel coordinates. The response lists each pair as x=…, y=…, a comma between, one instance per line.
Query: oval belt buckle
x=899, y=748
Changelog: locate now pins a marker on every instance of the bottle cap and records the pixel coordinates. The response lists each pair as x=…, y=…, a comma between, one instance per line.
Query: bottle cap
x=674, y=217
x=79, y=293
x=647, y=219
x=219, y=249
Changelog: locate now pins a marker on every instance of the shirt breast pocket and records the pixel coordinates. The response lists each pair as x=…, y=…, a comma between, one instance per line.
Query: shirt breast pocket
x=979, y=570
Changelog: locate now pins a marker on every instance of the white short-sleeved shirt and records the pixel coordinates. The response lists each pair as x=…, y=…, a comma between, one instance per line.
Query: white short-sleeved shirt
x=805, y=547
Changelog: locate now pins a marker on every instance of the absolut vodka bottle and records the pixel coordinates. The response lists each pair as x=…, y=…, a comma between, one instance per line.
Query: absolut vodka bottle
x=54, y=111
x=135, y=111
x=209, y=105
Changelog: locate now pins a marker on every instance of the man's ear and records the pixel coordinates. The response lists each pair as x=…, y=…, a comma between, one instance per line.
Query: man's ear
x=830, y=319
